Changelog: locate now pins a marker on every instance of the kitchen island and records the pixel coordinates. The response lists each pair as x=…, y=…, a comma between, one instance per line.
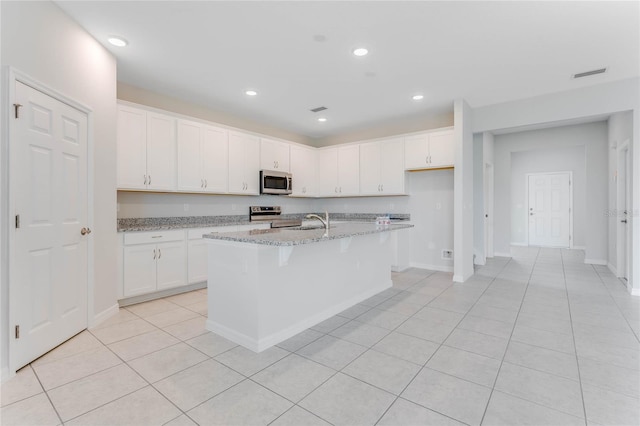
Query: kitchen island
x=265, y=286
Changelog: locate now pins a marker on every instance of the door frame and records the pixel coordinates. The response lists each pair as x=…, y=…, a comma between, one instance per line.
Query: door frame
x=570, y=173
x=625, y=249
x=14, y=76
x=488, y=209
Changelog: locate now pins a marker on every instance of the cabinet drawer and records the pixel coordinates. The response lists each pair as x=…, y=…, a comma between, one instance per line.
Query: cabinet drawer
x=153, y=237
x=196, y=234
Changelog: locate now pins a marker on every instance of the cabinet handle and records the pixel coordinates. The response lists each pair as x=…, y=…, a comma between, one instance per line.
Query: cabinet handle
x=382, y=188
x=154, y=254
x=149, y=179
x=145, y=179
x=201, y=183
x=160, y=253
x=206, y=183
x=335, y=190
x=341, y=190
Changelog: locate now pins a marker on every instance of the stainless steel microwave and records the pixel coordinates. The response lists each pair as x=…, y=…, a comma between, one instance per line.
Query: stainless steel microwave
x=273, y=182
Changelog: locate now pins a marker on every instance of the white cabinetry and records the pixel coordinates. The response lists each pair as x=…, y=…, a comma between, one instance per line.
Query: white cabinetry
x=339, y=171
x=197, y=252
x=244, y=164
x=202, y=158
x=430, y=150
x=304, y=170
x=153, y=261
x=274, y=155
x=146, y=150
x=382, y=167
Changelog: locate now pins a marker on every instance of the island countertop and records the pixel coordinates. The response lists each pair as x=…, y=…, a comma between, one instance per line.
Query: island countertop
x=305, y=235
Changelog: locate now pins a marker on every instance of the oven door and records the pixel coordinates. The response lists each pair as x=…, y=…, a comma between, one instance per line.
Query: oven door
x=272, y=182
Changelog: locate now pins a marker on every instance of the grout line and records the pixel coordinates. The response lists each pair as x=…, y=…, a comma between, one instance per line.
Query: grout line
x=47, y=395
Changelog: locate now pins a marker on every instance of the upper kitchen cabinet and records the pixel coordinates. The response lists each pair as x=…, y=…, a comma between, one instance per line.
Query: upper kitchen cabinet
x=304, y=171
x=274, y=155
x=244, y=164
x=339, y=171
x=430, y=150
x=146, y=150
x=202, y=158
x=382, y=167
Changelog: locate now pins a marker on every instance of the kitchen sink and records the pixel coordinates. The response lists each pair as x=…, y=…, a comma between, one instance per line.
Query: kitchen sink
x=306, y=228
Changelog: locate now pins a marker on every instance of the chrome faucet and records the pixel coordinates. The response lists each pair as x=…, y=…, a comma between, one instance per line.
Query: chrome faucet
x=324, y=221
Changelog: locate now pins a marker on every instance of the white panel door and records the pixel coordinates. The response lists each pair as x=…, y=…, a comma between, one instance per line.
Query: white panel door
x=48, y=175
x=349, y=170
x=215, y=160
x=252, y=165
x=189, y=156
x=549, y=210
x=139, y=267
x=161, y=152
x=274, y=155
x=392, y=166
x=132, y=148
x=416, y=151
x=370, y=160
x=327, y=172
x=304, y=171
x=171, y=265
x=244, y=163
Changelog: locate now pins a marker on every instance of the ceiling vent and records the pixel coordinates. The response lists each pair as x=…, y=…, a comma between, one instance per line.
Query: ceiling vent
x=321, y=108
x=588, y=73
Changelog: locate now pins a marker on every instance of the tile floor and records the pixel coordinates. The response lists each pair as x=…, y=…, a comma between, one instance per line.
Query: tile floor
x=539, y=339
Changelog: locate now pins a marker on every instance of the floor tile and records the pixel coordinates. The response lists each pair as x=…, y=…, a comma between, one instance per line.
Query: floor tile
x=81, y=342
x=347, y=401
x=354, y=311
x=544, y=339
x=383, y=371
x=36, y=410
x=396, y=306
x=507, y=410
x=143, y=407
x=544, y=323
x=201, y=308
x=607, y=336
x=486, y=326
x=164, y=319
x=299, y=340
x=465, y=365
x=424, y=330
x=211, y=344
x=482, y=344
x=406, y=347
x=448, y=395
x=89, y=393
x=541, y=388
x=151, y=308
x=23, y=385
x=438, y=316
x=188, y=298
x=382, y=319
x=247, y=362
x=297, y=416
x=360, y=333
x=541, y=359
x=406, y=413
x=616, y=355
x=166, y=362
x=610, y=377
x=57, y=373
x=330, y=324
x=122, y=316
x=196, y=384
x=117, y=332
x=610, y=408
x=143, y=344
x=247, y=403
x=293, y=377
x=332, y=352
x=188, y=329
x=182, y=420
x=497, y=314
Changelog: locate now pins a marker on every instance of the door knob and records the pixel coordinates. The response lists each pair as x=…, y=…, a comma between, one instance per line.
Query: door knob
x=85, y=231
x=530, y=214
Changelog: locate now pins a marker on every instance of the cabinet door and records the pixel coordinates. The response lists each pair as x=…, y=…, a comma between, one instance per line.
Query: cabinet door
x=139, y=266
x=252, y=165
x=161, y=152
x=131, y=148
x=392, y=174
x=189, y=156
x=274, y=155
x=328, y=172
x=303, y=171
x=441, y=149
x=244, y=163
x=416, y=152
x=171, y=264
x=370, y=159
x=215, y=160
x=349, y=170
x=197, y=262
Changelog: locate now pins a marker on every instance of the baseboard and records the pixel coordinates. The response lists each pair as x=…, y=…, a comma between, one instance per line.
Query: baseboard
x=160, y=294
x=480, y=262
x=498, y=254
x=579, y=247
x=596, y=262
x=612, y=269
x=104, y=315
x=440, y=268
x=5, y=375
x=633, y=291
x=519, y=244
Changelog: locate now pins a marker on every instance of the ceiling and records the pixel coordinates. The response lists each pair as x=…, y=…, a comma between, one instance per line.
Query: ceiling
x=209, y=52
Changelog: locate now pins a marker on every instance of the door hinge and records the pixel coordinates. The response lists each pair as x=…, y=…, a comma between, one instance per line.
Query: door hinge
x=16, y=108
x=17, y=221
x=17, y=331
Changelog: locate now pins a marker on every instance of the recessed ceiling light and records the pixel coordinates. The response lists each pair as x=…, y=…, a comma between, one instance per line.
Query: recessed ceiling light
x=360, y=51
x=117, y=41
x=417, y=97
x=250, y=93
x=322, y=119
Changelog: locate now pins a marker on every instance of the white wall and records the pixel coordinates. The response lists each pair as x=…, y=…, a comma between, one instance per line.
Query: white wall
x=39, y=40
x=478, y=199
x=553, y=149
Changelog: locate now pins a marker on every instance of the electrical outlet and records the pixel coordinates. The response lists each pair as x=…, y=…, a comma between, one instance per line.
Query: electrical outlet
x=447, y=254
x=186, y=207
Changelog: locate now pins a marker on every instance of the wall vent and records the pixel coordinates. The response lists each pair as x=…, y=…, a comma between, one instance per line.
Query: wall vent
x=588, y=73
x=318, y=109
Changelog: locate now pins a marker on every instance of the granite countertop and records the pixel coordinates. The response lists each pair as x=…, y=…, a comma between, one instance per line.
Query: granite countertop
x=141, y=224
x=294, y=237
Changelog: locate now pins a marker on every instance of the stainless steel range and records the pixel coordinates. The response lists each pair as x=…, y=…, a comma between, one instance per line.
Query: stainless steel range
x=271, y=214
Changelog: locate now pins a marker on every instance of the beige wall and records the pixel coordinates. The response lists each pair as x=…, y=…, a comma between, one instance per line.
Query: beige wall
x=39, y=40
